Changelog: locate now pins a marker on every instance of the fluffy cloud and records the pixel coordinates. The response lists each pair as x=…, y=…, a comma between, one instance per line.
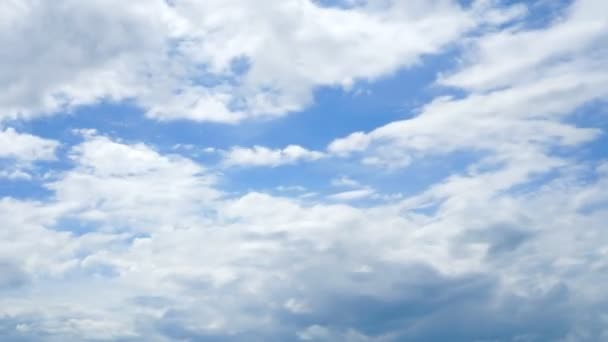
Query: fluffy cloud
x=191, y=60
x=183, y=263
x=75, y=53
x=514, y=56
x=124, y=184
x=132, y=243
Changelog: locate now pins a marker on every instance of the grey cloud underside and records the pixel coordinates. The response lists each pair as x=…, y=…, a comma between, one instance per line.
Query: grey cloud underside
x=257, y=267
x=429, y=308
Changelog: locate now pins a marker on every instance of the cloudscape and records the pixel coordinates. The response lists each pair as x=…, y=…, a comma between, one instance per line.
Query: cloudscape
x=303, y=170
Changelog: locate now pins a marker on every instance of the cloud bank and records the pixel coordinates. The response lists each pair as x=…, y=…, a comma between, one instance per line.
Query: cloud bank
x=109, y=235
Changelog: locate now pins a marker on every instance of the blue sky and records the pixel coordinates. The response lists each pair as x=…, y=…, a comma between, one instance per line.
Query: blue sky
x=289, y=170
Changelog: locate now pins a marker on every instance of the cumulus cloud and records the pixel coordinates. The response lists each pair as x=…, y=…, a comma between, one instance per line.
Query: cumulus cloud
x=330, y=270
x=357, y=141
x=125, y=183
x=19, y=153
x=515, y=104
x=130, y=243
x=352, y=194
x=25, y=147
x=191, y=60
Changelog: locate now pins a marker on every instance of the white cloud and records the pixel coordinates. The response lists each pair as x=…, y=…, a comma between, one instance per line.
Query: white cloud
x=497, y=121
x=76, y=53
x=25, y=147
x=180, y=60
x=521, y=107
x=135, y=244
x=509, y=57
x=264, y=156
x=352, y=195
x=126, y=183
x=202, y=259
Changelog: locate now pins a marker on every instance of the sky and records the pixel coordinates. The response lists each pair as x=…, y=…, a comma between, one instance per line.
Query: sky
x=303, y=170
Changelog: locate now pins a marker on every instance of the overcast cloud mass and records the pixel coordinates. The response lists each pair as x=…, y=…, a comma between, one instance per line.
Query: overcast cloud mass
x=303, y=170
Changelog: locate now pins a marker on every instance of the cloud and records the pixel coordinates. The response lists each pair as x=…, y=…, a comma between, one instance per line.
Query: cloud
x=224, y=268
x=25, y=147
x=516, y=102
x=125, y=183
x=517, y=55
x=196, y=61
x=75, y=54
x=264, y=156
x=131, y=243
x=357, y=141
x=19, y=153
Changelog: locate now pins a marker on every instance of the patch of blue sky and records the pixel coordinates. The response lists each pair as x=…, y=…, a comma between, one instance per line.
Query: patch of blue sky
x=23, y=189
x=335, y=112
x=593, y=115
x=539, y=14
x=28, y=182
x=586, y=156
x=203, y=76
x=75, y=226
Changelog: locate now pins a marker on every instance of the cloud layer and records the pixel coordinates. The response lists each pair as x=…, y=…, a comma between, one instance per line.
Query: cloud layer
x=198, y=61
x=107, y=237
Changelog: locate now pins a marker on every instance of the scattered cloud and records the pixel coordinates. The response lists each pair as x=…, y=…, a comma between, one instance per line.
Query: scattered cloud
x=196, y=61
x=264, y=156
x=142, y=233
